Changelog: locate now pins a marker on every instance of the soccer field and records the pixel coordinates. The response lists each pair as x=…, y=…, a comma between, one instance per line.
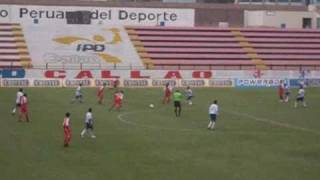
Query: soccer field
x=256, y=137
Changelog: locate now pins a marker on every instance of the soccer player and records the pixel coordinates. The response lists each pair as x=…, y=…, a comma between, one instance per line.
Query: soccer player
x=286, y=92
x=100, y=94
x=24, y=108
x=300, y=97
x=189, y=95
x=177, y=97
x=17, y=104
x=281, y=91
x=117, y=100
x=115, y=83
x=213, y=112
x=67, y=129
x=167, y=94
x=302, y=83
x=78, y=95
x=88, y=124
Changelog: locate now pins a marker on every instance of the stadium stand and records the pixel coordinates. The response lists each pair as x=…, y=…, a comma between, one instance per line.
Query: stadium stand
x=13, y=48
x=226, y=48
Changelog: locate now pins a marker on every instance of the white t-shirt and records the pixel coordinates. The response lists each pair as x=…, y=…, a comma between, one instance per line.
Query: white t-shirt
x=19, y=95
x=66, y=122
x=78, y=91
x=188, y=92
x=301, y=93
x=89, y=117
x=213, y=109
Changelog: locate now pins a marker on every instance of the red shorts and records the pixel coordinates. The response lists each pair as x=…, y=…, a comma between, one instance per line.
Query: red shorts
x=117, y=104
x=23, y=109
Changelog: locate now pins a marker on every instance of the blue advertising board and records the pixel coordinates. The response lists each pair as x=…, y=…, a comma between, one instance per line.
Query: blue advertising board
x=12, y=73
x=306, y=82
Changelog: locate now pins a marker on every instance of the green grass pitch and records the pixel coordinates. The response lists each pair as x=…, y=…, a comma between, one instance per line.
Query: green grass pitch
x=256, y=137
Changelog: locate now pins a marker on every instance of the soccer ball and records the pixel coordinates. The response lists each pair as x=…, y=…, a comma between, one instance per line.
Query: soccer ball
x=151, y=106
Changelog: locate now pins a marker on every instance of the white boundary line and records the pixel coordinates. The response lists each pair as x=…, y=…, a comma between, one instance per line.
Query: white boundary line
x=285, y=125
x=280, y=124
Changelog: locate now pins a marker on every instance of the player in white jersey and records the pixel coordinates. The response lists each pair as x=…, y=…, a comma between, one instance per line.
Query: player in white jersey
x=189, y=95
x=213, y=112
x=286, y=92
x=78, y=94
x=300, y=97
x=88, y=124
x=17, y=103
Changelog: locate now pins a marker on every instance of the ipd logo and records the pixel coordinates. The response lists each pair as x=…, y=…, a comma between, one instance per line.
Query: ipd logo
x=96, y=44
x=91, y=47
x=12, y=73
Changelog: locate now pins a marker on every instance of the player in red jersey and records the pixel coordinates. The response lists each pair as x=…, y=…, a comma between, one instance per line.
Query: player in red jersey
x=100, y=94
x=167, y=94
x=117, y=100
x=24, y=108
x=281, y=91
x=66, y=129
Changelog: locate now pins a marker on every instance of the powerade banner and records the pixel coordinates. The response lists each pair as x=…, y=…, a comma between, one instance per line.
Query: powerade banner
x=99, y=15
x=257, y=82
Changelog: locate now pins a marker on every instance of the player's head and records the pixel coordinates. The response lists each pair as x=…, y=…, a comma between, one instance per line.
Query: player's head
x=167, y=84
x=121, y=92
x=80, y=84
x=20, y=89
x=25, y=94
x=68, y=114
x=188, y=87
x=215, y=102
x=90, y=110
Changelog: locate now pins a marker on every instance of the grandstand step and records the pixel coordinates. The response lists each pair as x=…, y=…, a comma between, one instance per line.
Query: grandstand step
x=180, y=33
x=195, y=56
x=183, y=39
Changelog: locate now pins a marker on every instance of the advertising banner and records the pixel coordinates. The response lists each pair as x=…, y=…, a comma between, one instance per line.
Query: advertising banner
x=257, y=82
x=107, y=82
x=149, y=74
x=136, y=83
x=305, y=82
x=46, y=83
x=28, y=14
x=193, y=83
x=221, y=83
x=15, y=82
x=76, y=82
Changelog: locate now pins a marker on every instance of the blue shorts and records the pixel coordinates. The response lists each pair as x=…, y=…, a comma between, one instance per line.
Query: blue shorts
x=301, y=99
x=89, y=125
x=213, y=117
x=189, y=97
